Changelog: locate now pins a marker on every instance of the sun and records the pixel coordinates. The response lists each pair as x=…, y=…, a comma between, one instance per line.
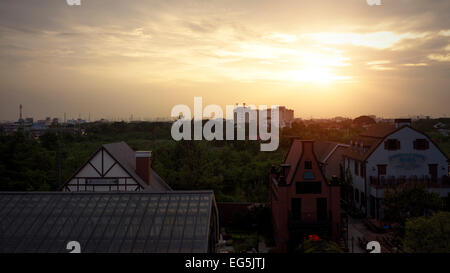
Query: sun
x=317, y=66
x=319, y=75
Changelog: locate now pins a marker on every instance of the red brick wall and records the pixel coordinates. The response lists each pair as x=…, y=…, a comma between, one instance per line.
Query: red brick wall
x=281, y=208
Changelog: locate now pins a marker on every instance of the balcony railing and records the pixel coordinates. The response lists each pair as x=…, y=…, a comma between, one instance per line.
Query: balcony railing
x=296, y=223
x=392, y=182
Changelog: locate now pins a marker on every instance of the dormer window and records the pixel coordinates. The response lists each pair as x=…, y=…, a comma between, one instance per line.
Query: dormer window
x=421, y=144
x=308, y=165
x=381, y=169
x=392, y=144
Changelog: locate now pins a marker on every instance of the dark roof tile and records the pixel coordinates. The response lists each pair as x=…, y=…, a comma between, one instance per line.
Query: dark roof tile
x=379, y=130
x=127, y=158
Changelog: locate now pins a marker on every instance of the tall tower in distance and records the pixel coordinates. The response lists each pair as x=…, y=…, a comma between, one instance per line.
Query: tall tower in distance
x=20, y=112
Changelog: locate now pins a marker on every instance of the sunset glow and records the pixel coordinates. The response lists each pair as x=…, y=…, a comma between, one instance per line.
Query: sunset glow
x=257, y=52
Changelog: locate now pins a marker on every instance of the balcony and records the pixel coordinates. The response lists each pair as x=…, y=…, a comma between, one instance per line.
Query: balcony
x=310, y=227
x=393, y=182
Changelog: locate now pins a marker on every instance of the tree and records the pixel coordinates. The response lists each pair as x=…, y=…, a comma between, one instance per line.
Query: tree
x=25, y=164
x=403, y=203
x=428, y=234
x=49, y=141
x=364, y=120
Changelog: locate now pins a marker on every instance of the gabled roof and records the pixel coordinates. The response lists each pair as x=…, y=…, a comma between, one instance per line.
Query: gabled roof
x=293, y=157
x=157, y=183
x=126, y=157
x=370, y=139
x=107, y=222
x=334, y=160
x=375, y=136
x=296, y=152
x=323, y=149
x=379, y=130
x=330, y=154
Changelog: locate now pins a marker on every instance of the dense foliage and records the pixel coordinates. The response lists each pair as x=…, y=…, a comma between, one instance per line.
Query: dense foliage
x=402, y=205
x=26, y=164
x=428, y=234
x=236, y=170
x=416, y=201
x=321, y=246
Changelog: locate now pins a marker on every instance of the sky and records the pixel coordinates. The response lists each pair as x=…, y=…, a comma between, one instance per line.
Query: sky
x=322, y=58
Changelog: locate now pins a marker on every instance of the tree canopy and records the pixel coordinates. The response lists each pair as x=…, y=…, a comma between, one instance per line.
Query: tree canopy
x=428, y=234
x=415, y=201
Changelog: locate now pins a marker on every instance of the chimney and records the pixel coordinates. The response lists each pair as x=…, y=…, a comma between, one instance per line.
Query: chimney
x=400, y=122
x=308, y=146
x=143, y=165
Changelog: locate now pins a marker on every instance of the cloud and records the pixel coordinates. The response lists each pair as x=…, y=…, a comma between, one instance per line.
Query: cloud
x=174, y=44
x=440, y=57
x=378, y=62
x=445, y=33
x=378, y=40
x=416, y=65
x=380, y=65
x=281, y=37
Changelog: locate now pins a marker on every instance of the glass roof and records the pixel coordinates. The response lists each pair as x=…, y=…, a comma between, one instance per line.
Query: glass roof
x=140, y=222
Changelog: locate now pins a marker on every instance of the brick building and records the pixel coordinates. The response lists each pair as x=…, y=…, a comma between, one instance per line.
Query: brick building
x=303, y=201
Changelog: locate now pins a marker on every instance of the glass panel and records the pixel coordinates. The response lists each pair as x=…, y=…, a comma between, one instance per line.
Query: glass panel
x=119, y=222
x=199, y=246
x=162, y=247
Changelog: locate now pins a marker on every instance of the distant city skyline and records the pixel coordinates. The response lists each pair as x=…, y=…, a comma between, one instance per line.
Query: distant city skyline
x=131, y=117
x=322, y=59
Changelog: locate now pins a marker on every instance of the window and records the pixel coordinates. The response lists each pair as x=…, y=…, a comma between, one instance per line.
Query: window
x=356, y=167
x=321, y=204
x=421, y=144
x=102, y=181
x=433, y=171
x=363, y=199
x=363, y=170
x=309, y=175
x=308, y=188
x=381, y=169
x=392, y=144
x=356, y=195
x=308, y=165
x=296, y=207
